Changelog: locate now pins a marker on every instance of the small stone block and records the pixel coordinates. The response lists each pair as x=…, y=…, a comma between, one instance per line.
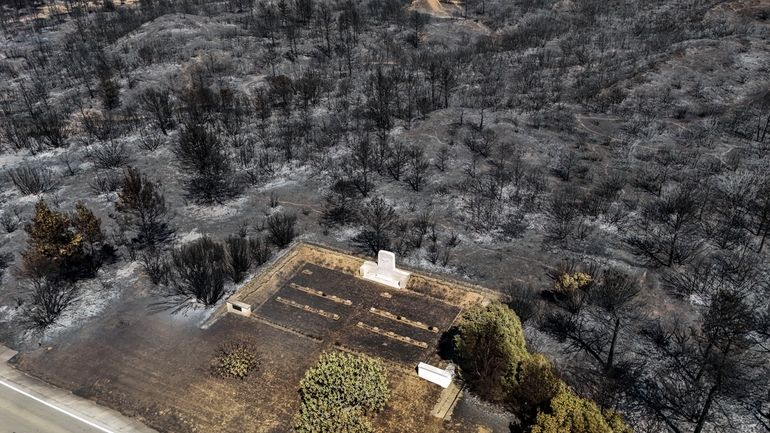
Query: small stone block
x=240, y=308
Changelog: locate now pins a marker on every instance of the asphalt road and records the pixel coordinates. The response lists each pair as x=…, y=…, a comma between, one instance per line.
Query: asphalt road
x=22, y=414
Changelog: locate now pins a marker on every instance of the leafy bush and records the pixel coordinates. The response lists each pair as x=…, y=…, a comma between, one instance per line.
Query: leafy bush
x=339, y=392
x=199, y=271
x=569, y=283
x=491, y=352
x=490, y=346
x=33, y=180
x=328, y=418
x=281, y=229
x=571, y=413
x=537, y=384
x=235, y=360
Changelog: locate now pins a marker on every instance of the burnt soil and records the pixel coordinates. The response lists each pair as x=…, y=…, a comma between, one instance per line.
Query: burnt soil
x=155, y=366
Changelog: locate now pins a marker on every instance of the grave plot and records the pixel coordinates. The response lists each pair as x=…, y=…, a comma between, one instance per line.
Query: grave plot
x=380, y=343
x=393, y=336
x=416, y=307
x=307, y=318
x=303, y=295
x=369, y=294
x=335, y=283
x=341, y=308
x=400, y=327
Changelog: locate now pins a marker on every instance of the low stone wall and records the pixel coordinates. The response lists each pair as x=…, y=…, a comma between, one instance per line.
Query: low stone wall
x=269, y=280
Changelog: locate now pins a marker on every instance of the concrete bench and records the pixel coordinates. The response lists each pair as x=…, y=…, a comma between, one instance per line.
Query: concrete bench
x=442, y=378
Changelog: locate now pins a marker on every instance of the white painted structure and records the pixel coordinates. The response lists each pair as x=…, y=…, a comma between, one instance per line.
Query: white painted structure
x=384, y=271
x=238, y=307
x=442, y=378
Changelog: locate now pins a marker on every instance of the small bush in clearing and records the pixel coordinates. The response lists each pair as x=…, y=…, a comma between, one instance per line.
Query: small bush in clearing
x=235, y=360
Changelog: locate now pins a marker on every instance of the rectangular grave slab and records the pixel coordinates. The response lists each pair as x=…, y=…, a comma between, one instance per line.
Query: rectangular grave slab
x=442, y=378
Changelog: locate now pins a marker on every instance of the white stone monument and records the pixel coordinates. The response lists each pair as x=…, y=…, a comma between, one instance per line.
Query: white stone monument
x=384, y=271
x=442, y=378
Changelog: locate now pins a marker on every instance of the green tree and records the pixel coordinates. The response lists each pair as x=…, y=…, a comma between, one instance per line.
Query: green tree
x=490, y=346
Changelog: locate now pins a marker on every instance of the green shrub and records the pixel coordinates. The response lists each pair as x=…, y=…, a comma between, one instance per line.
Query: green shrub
x=537, y=384
x=571, y=413
x=322, y=417
x=568, y=283
x=235, y=360
x=339, y=392
x=490, y=346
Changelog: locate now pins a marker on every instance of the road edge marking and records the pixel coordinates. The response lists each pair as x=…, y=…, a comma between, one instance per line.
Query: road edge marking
x=52, y=406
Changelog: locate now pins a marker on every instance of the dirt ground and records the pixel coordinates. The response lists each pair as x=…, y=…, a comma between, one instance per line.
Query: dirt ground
x=156, y=369
x=155, y=366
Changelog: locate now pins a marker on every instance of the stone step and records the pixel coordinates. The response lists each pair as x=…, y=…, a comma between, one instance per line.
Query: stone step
x=447, y=402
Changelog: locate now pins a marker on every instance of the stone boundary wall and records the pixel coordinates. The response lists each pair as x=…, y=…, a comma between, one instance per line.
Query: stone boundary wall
x=278, y=269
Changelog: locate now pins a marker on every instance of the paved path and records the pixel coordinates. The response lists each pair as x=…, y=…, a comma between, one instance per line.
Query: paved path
x=28, y=405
